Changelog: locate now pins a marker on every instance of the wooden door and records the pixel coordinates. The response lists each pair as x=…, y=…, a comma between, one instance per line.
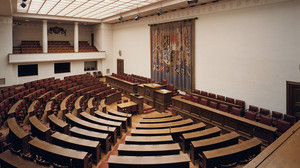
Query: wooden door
x=293, y=99
x=120, y=66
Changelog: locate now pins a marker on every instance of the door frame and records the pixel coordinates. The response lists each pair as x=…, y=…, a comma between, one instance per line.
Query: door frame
x=289, y=88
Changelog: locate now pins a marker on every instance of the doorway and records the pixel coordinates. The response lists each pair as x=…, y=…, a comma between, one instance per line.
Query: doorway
x=293, y=99
x=120, y=66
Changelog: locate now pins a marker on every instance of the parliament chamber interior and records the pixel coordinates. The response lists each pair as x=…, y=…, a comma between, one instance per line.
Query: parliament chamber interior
x=149, y=83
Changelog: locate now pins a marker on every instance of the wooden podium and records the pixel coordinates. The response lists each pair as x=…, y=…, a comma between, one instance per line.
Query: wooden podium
x=150, y=91
x=139, y=100
x=162, y=99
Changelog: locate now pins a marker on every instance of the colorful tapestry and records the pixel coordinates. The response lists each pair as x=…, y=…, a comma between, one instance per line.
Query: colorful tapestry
x=172, y=53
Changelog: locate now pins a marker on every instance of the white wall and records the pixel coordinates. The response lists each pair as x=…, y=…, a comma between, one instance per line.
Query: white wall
x=6, y=70
x=243, y=49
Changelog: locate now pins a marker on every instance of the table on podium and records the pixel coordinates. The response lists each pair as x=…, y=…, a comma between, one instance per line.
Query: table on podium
x=162, y=99
x=150, y=91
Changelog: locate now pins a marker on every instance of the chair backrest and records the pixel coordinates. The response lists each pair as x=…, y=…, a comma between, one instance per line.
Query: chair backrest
x=253, y=108
x=203, y=93
x=289, y=118
x=213, y=104
x=240, y=103
x=263, y=111
x=250, y=115
x=236, y=111
x=283, y=126
x=197, y=91
x=230, y=100
x=164, y=82
x=171, y=87
x=266, y=120
x=276, y=115
x=195, y=99
x=212, y=95
x=187, y=96
x=220, y=97
x=203, y=101
x=223, y=107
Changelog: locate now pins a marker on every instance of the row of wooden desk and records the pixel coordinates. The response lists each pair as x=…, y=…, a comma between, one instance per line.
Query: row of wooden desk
x=227, y=121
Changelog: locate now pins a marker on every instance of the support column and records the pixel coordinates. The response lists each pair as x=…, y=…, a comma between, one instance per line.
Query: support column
x=76, y=37
x=45, y=37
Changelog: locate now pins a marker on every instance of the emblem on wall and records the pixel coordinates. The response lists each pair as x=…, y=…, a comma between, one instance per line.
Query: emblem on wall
x=57, y=30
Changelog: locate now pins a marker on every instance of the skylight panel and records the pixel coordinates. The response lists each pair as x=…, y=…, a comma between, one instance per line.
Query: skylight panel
x=82, y=8
x=71, y=7
x=35, y=6
x=60, y=6
x=48, y=5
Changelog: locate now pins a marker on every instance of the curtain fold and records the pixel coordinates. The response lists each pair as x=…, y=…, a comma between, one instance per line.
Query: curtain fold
x=172, y=53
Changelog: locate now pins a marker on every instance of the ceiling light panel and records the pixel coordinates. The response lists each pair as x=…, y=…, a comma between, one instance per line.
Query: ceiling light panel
x=99, y=9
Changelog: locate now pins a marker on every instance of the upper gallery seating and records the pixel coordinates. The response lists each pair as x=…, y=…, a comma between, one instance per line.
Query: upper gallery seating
x=84, y=46
x=31, y=47
x=60, y=47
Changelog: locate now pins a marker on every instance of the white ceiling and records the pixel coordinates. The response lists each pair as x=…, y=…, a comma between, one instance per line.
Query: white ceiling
x=93, y=11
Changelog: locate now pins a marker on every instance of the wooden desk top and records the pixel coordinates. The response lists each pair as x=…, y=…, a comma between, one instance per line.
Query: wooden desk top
x=15, y=128
x=201, y=133
x=153, y=85
x=48, y=106
x=163, y=91
x=100, y=121
x=58, y=150
x=14, y=107
x=90, y=102
x=89, y=133
x=215, y=140
x=55, y=96
x=77, y=102
x=43, y=95
x=161, y=120
x=284, y=152
x=165, y=125
x=89, y=124
x=18, y=161
x=148, y=138
x=75, y=140
x=157, y=115
x=37, y=124
x=124, y=81
x=57, y=121
x=63, y=103
x=127, y=104
x=27, y=96
x=136, y=96
x=232, y=149
x=117, y=113
x=148, y=160
x=31, y=107
x=110, y=116
x=167, y=131
x=149, y=148
x=242, y=119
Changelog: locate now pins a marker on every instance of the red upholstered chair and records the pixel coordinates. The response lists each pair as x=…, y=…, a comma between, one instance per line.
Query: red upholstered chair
x=164, y=82
x=203, y=93
x=266, y=120
x=195, y=99
x=203, y=101
x=213, y=104
x=171, y=88
x=282, y=126
x=289, y=118
x=125, y=101
x=230, y=100
x=212, y=95
x=253, y=108
x=240, y=103
x=220, y=97
x=236, y=111
x=276, y=116
x=263, y=111
x=250, y=115
x=223, y=107
x=133, y=109
x=197, y=91
x=187, y=97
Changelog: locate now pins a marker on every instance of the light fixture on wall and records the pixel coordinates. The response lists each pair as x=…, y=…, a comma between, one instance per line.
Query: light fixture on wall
x=138, y=15
x=23, y=4
x=192, y=1
x=121, y=17
x=160, y=11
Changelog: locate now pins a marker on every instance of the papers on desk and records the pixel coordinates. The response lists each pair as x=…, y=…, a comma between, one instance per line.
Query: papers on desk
x=155, y=84
x=164, y=90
